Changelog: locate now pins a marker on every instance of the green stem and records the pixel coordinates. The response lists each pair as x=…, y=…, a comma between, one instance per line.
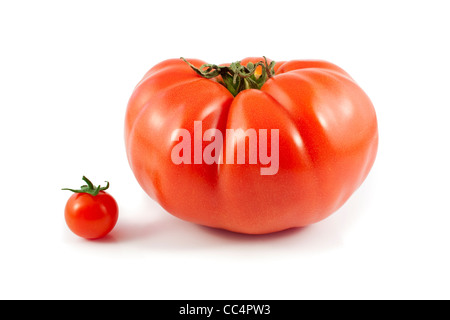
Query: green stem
x=237, y=77
x=89, y=188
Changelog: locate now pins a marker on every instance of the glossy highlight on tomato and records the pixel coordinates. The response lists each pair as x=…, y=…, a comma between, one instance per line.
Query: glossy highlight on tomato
x=328, y=139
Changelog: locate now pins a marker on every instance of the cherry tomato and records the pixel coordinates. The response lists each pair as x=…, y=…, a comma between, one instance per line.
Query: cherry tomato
x=91, y=212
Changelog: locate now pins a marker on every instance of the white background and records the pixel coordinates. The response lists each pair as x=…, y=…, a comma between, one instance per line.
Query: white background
x=67, y=70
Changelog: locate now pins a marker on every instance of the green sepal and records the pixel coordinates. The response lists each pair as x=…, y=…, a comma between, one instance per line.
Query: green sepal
x=237, y=77
x=89, y=188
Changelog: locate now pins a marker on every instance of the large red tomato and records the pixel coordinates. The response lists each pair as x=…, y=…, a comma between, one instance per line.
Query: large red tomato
x=327, y=141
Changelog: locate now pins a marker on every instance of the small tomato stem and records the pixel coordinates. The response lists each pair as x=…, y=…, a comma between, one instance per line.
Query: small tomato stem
x=89, y=188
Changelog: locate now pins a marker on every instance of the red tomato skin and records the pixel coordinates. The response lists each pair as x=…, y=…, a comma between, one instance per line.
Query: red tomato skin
x=91, y=217
x=328, y=143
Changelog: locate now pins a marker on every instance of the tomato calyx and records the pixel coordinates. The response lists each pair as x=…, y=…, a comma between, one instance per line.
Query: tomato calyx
x=89, y=188
x=237, y=77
